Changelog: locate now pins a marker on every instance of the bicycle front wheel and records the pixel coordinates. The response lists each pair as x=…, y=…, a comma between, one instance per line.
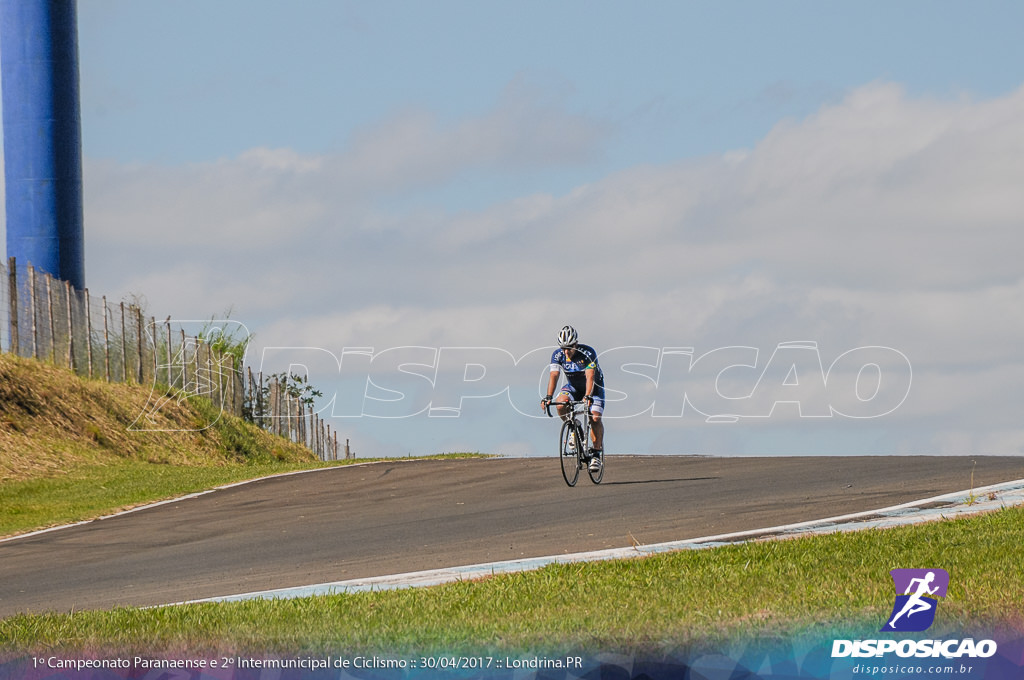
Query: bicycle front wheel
x=569, y=442
x=596, y=477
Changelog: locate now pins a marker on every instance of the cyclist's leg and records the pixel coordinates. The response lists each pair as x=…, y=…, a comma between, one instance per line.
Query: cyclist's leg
x=597, y=430
x=565, y=395
x=597, y=422
x=597, y=436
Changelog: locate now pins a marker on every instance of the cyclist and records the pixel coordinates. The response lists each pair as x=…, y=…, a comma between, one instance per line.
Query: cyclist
x=583, y=379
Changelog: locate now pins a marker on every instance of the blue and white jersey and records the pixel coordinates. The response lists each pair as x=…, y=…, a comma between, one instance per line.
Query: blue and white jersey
x=584, y=358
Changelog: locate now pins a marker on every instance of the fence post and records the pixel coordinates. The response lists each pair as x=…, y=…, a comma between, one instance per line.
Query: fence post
x=282, y=403
x=268, y=408
x=210, y=368
x=184, y=362
x=32, y=305
x=195, y=363
x=12, y=284
x=124, y=347
x=261, y=407
x=288, y=415
x=274, y=411
x=154, y=379
x=231, y=382
x=106, y=341
x=247, y=390
x=217, y=366
x=170, y=375
x=141, y=339
x=293, y=413
x=222, y=381
x=212, y=365
x=201, y=375
x=244, y=396
x=227, y=367
x=238, y=389
x=71, y=327
x=212, y=362
x=88, y=330
x=49, y=312
x=286, y=426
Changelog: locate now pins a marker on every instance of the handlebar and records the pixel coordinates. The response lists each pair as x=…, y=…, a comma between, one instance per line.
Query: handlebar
x=576, y=406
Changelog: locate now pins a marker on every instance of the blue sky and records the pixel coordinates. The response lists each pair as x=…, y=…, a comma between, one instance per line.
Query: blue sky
x=675, y=79
x=711, y=175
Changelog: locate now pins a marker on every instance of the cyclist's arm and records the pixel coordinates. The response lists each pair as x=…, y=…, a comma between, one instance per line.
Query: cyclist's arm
x=590, y=372
x=552, y=382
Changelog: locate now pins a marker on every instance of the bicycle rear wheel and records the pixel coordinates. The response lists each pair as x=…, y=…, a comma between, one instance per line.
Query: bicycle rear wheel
x=567, y=453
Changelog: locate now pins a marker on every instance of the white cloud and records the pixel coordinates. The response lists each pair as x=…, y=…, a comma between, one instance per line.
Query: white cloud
x=415, y=148
x=881, y=219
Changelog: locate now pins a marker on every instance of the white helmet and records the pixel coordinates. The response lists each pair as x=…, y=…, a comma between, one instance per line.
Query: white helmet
x=567, y=337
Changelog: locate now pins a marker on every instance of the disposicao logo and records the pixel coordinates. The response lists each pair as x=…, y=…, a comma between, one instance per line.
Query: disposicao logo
x=917, y=593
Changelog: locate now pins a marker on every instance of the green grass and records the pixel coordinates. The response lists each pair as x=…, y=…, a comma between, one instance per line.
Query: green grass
x=93, y=491
x=837, y=583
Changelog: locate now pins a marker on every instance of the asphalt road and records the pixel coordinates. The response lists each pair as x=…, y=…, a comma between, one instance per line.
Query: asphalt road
x=396, y=517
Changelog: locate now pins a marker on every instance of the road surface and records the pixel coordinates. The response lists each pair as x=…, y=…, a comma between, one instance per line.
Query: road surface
x=401, y=516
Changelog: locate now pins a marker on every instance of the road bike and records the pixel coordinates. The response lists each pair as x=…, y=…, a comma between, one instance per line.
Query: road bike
x=573, y=442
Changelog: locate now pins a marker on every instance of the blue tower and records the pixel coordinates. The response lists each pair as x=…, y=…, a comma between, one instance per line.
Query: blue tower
x=43, y=136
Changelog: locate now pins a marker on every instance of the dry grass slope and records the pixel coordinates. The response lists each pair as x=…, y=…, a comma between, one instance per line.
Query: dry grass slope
x=52, y=421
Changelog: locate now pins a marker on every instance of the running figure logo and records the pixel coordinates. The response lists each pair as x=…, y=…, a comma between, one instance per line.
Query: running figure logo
x=914, y=609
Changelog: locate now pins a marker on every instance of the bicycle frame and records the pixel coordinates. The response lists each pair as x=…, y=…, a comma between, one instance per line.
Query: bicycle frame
x=572, y=461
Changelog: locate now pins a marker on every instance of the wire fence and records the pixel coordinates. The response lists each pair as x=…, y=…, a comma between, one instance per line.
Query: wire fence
x=49, y=320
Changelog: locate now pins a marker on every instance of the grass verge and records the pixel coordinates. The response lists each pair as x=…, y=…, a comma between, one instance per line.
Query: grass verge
x=837, y=583
x=92, y=491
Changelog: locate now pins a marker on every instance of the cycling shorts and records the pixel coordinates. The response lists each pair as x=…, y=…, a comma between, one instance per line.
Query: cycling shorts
x=598, y=405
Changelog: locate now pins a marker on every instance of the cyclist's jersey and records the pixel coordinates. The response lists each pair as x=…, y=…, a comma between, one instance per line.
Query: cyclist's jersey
x=575, y=370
